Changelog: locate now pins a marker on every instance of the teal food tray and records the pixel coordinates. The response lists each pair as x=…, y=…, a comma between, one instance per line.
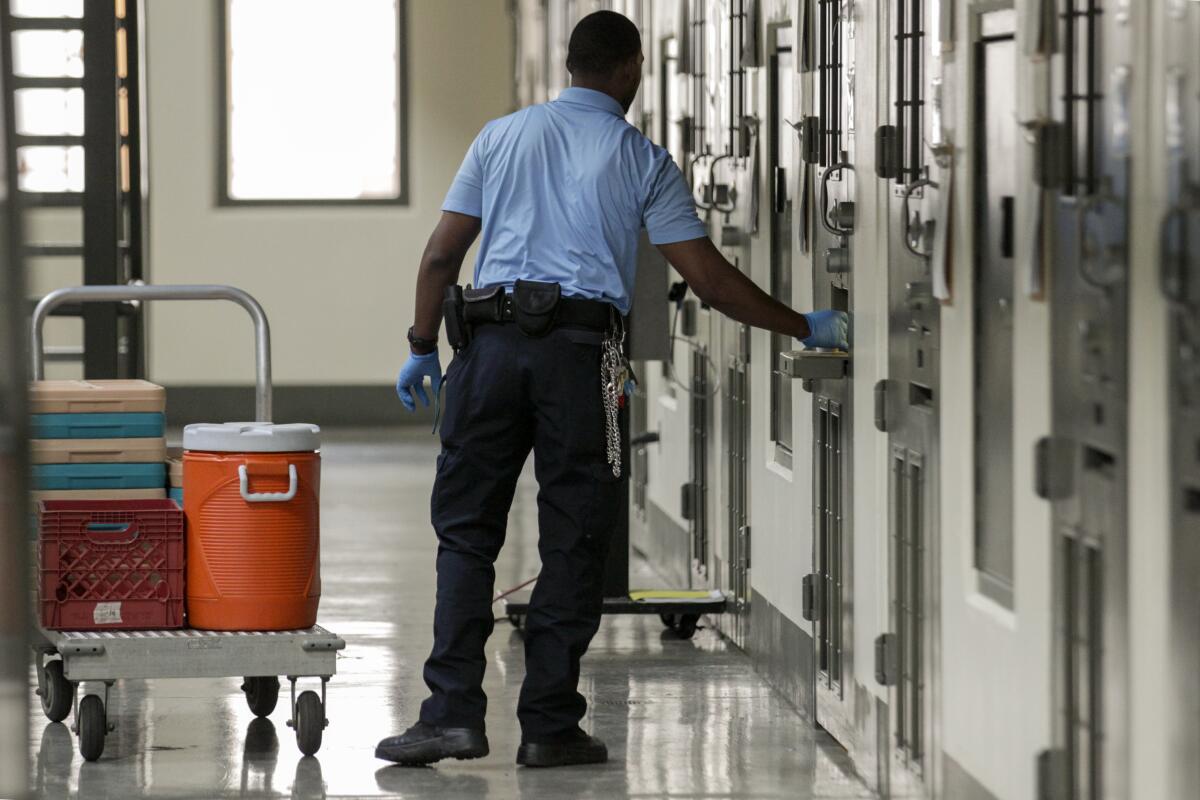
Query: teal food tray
x=96, y=426
x=50, y=477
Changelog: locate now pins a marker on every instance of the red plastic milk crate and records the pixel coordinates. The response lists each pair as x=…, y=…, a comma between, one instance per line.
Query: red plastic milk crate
x=111, y=564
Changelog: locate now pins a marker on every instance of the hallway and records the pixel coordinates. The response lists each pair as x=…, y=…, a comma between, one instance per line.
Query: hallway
x=682, y=719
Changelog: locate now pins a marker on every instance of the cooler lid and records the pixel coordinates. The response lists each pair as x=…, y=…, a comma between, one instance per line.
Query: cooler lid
x=252, y=437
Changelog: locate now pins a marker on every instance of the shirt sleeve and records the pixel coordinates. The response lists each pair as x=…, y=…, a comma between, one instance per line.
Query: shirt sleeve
x=670, y=214
x=466, y=192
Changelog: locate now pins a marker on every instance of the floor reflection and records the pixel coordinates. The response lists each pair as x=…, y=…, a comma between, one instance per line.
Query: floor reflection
x=682, y=718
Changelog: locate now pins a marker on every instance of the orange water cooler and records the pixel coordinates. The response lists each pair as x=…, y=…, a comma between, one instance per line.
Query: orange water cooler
x=251, y=499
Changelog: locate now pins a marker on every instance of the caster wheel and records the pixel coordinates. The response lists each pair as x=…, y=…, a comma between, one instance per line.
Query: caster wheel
x=686, y=627
x=517, y=621
x=668, y=620
x=58, y=693
x=310, y=722
x=93, y=726
x=261, y=694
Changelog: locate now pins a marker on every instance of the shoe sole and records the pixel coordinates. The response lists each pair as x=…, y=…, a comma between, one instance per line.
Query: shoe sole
x=545, y=756
x=411, y=759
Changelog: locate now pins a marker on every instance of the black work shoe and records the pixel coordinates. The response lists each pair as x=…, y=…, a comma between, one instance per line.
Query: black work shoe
x=578, y=748
x=424, y=744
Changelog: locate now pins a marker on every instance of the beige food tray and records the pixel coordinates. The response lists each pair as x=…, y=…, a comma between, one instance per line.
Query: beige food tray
x=97, y=451
x=175, y=472
x=100, y=494
x=96, y=397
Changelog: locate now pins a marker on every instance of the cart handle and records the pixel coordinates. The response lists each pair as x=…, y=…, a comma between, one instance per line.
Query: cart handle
x=119, y=294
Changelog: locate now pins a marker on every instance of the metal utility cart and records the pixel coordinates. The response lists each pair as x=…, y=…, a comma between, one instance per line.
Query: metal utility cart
x=98, y=659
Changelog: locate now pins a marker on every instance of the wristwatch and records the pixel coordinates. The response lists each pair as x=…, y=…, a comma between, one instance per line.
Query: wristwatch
x=420, y=346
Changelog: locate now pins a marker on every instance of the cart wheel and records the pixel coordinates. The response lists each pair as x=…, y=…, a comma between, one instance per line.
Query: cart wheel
x=686, y=627
x=58, y=693
x=262, y=693
x=310, y=722
x=668, y=620
x=92, y=727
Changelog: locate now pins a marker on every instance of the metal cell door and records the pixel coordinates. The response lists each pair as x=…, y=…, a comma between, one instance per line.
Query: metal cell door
x=1084, y=464
x=907, y=402
x=781, y=143
x=737, y=451
x=827, y=148
x=1180, y=284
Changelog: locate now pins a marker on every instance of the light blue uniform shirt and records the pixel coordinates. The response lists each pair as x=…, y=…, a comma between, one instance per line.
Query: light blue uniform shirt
x=563, y=190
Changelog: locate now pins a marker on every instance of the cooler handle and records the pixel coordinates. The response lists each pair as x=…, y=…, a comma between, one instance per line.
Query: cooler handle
x=267, y=497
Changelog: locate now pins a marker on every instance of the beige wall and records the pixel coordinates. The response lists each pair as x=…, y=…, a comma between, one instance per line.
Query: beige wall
x=337, y=283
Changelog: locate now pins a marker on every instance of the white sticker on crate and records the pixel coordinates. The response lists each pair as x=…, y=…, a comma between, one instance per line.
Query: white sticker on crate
x=106, y=613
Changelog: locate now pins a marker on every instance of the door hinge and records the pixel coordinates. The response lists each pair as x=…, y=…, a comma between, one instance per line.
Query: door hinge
x=744, y=535
x=885, y=659
x=687, y=325
x=809, y=596
x=1050, y=155
x=810, y=139
x=881, y=406
x=887, y=152
x=1052, y=775
x=1053, y=469
x=687, y=501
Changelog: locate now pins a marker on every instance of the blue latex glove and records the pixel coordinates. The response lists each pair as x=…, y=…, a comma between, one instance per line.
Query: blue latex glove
x=412, y=378
x=828, y=329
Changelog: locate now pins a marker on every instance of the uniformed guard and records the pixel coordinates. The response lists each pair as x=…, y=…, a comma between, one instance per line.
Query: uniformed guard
x=560, y=192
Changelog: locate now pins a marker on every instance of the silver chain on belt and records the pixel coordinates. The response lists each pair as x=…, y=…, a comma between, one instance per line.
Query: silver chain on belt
x=614, y=372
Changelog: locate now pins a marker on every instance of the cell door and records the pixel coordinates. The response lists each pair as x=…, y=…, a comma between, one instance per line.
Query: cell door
x=1085, y=463
x=829, y=147
x=907, y=402
x=737, y=490
x=781, y=146
x=1180, y=283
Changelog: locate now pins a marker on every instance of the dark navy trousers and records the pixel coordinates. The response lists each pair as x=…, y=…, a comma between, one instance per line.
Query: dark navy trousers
x=507, y=394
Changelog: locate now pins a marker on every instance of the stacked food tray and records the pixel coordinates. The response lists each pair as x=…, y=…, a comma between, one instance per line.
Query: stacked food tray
x=98, y=440
x=175, y=476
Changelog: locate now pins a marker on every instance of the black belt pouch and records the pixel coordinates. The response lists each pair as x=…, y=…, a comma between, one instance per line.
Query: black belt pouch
x=452, y=312
x=535, y=306
x=483, y=305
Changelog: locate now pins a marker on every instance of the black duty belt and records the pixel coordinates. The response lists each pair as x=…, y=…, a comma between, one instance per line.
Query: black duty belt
x=572, y=312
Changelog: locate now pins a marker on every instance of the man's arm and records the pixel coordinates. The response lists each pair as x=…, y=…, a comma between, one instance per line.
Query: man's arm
x=440, y=265
x=722, y=286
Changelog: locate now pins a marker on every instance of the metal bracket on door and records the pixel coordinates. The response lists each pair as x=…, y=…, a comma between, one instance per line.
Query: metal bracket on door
x=1052, y=781
x=887, y=152
x=886, y=661
x=688, y=494
x=881, y=405
x=810, y=595
x=1053, y=468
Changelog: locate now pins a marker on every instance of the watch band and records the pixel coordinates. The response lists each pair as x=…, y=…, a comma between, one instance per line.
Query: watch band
x=419, y=345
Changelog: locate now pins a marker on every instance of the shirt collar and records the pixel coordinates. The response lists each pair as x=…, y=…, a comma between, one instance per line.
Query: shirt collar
x=592, y=99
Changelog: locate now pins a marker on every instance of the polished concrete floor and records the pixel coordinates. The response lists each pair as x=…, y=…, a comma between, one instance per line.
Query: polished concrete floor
x=683, y=719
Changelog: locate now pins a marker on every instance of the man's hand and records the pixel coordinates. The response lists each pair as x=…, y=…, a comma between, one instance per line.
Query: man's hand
x=828, y=329
x=412, y=378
